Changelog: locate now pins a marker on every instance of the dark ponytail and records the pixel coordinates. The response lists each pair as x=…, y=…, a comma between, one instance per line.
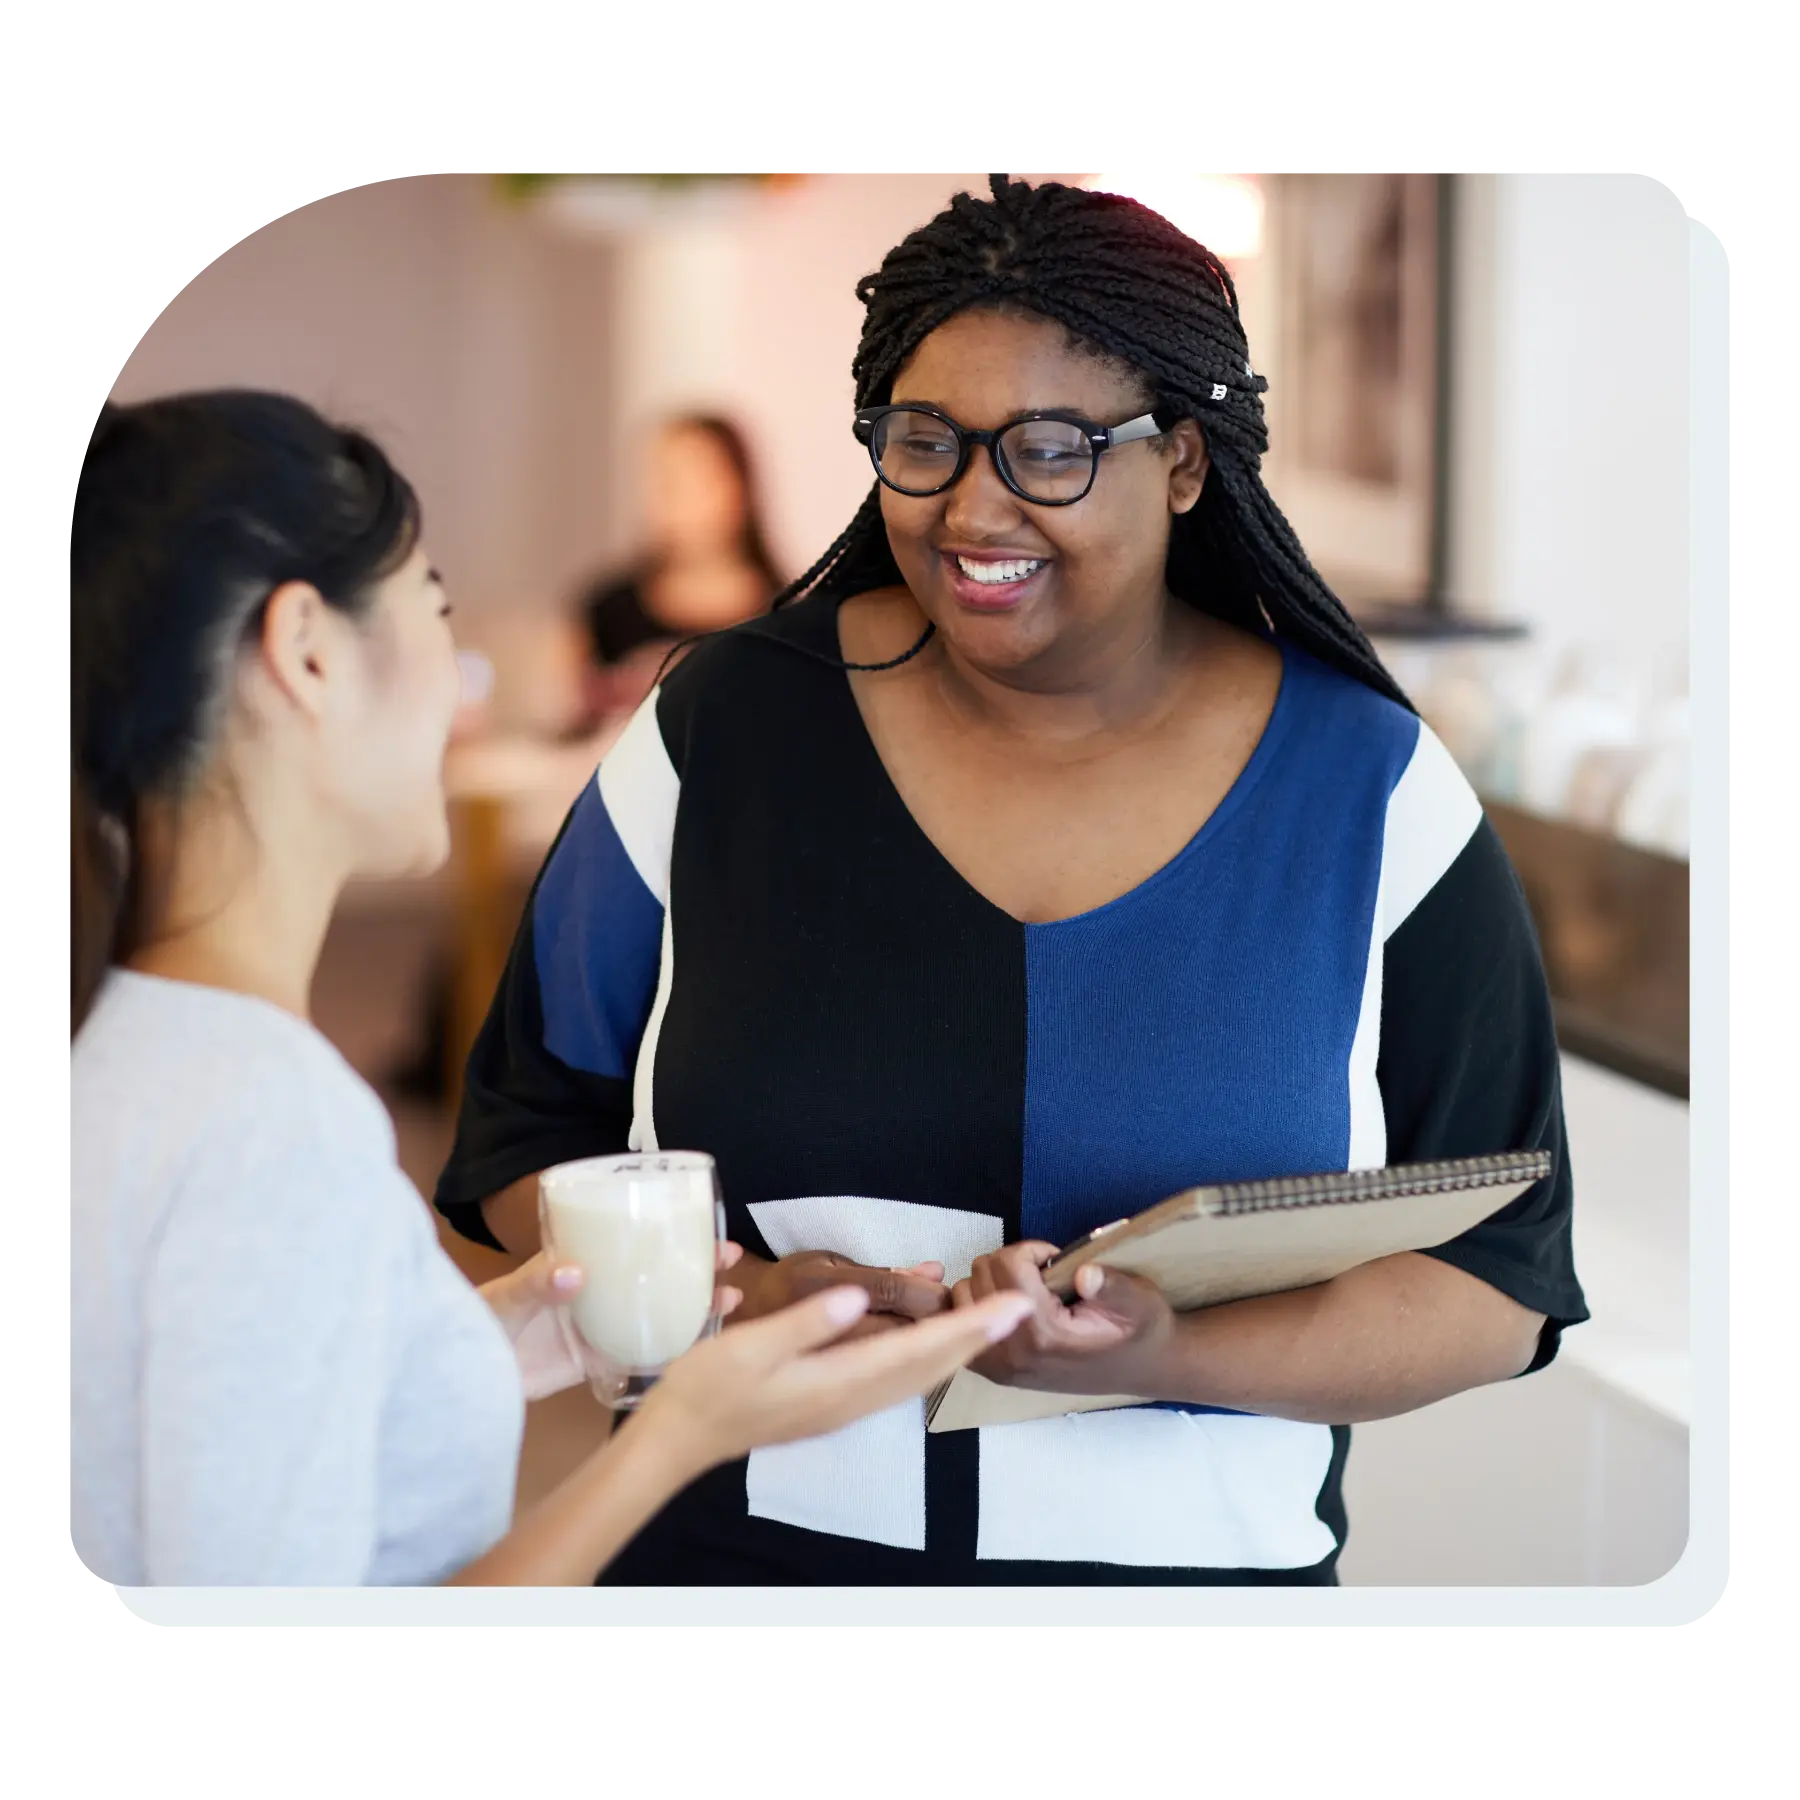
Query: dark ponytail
x=189, y=513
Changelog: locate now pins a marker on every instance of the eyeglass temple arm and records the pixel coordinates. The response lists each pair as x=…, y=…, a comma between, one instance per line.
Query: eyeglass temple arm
x=1132, y=430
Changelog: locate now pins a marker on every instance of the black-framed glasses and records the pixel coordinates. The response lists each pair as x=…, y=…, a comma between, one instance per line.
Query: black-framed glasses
x=1048, y=458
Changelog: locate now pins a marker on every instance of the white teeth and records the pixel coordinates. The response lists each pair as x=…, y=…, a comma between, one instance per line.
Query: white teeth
x=993, y=573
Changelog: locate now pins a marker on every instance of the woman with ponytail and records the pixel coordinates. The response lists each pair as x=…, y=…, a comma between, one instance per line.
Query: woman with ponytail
x=1059, y=842
x=278, y=1376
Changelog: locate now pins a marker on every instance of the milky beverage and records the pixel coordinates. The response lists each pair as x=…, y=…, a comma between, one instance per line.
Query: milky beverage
x=643, y=1230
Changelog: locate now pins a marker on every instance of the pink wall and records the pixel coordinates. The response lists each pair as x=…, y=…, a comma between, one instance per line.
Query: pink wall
x=474, y=344
x=511, y=365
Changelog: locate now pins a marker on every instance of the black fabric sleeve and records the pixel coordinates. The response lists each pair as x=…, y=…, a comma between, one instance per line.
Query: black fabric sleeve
x=523, y=1109
x=1469, y=1067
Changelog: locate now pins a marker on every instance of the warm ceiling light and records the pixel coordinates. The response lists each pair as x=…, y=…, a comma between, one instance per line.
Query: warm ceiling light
x=1223, y=212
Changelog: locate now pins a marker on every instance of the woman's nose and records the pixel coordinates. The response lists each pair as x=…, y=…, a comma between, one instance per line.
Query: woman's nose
x=981, y=503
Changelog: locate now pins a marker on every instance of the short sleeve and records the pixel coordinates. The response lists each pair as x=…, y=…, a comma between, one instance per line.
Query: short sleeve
x=268, y=1341
x=1469, y=1066
x=551, y=1073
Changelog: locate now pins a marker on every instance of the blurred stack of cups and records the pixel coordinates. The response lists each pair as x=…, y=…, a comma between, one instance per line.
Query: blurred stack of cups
x=1578, y=733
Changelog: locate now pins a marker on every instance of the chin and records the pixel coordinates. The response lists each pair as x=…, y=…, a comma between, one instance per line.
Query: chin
x=411, y=856
x=998, y=640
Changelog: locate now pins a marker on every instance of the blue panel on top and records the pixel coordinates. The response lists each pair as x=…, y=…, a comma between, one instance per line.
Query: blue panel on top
x=1199, y=1026
x=1198, y=1029
x=597, y=939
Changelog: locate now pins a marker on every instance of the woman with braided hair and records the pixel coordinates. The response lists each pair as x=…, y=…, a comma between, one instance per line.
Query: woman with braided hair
x=1058, y=842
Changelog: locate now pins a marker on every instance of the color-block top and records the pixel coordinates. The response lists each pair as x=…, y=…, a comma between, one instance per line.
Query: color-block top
x=742, y=942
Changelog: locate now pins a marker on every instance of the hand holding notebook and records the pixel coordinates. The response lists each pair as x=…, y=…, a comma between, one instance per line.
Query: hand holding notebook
x=1232, y=1242
x=1116, y=1335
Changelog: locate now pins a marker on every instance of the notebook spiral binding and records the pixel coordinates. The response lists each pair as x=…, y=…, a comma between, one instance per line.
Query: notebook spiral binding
x=1235, y=1198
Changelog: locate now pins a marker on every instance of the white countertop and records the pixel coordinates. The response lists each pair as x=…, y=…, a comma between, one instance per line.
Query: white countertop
x=1637, y=1339
x=1629, y=1149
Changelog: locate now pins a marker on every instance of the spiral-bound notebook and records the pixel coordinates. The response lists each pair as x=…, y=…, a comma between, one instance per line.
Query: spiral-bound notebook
x=1213, y=1244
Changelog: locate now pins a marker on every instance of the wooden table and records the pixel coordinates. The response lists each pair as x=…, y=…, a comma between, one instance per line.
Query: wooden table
x=1613, y=923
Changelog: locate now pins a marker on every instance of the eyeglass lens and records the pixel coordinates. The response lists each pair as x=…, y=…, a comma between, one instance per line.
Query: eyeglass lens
x=1048, y=459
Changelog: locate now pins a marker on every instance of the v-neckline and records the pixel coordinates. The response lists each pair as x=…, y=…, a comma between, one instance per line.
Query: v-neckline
x=1274, y=730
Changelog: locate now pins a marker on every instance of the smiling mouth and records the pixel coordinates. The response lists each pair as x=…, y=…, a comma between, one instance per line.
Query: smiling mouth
x=998, y=574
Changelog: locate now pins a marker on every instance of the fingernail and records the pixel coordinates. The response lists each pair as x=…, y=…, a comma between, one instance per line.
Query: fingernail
x=1009, y=1320
x=842, y=1305
x=566, y=1279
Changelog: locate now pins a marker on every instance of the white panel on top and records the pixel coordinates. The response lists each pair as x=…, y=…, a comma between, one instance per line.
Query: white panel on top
x=640, y=788
x=1431, y=814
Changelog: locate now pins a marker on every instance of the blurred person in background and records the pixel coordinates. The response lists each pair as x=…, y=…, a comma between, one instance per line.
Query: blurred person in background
x=1057, y=843
x=278, y=1377
x=705, y=563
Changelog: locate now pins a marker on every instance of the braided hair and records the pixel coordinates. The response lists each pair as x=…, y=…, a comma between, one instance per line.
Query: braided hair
x=1125, y=284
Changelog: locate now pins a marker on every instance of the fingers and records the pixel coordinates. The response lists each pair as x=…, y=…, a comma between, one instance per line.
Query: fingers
x=902, y=1291
x=540, y=1281
x=729, y=1254
x=726, y=1300
x=874, y=1324
x=1115, y=1293
x=877, y=1372
x=807, y=1324
x=1111, y=1307
x=1018, y=1268
x=781, y=1378
x=912, y=1293
x=528, y=1289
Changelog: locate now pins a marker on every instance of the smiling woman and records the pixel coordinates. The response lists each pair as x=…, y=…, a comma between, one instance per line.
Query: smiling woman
x=1058, y=843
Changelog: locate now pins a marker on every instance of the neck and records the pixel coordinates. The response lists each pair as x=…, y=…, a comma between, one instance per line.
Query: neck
x=238, y=911
x=1114, y=683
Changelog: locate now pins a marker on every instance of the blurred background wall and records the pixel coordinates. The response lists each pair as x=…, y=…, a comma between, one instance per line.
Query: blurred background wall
x=476, y=344
x=510, y=353
x=516, y=344
x=1569, y=442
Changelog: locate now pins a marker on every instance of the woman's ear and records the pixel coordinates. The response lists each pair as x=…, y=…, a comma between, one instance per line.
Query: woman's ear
x=1188, y=467
x=298, y=644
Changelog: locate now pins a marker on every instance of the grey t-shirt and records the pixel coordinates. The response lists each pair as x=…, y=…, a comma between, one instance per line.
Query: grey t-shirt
x=278, y=1377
